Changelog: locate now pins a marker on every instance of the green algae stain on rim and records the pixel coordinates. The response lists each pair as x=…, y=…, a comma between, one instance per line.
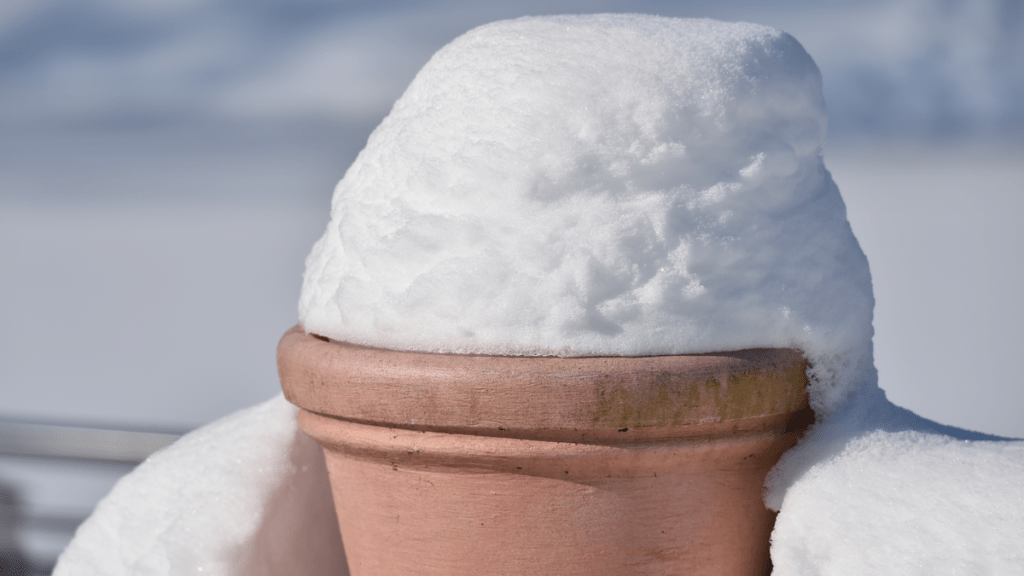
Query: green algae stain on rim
x=681, y=400
x=667, y=404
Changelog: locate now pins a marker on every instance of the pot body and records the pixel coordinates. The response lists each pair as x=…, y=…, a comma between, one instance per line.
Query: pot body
x=451, y=465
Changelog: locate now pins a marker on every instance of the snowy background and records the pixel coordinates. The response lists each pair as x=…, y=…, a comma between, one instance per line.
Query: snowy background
x=165, y=168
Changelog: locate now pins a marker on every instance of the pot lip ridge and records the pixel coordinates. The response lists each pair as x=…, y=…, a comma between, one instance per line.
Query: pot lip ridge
x=516, y=395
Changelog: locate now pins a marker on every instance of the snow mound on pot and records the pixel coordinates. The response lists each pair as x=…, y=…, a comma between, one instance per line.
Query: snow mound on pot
x=600, y=185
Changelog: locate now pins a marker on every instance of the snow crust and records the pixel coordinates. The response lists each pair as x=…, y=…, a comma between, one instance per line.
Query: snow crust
x=600, y=185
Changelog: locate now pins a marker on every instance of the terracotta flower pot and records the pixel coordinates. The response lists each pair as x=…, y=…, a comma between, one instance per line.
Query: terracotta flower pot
x=454, y=465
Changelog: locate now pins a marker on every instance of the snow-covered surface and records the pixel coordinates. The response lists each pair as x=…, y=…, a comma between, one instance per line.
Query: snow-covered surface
x=873, y=488
x=602, y=185
x=247, y=494
x=893, y=494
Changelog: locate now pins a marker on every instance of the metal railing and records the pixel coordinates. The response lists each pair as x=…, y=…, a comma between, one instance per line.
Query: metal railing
x=66, y=443
x=80, y=442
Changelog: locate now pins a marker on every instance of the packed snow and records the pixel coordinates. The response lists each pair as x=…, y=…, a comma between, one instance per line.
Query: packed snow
x=596, y=185
x=244, y=495
x=908, y=502
x=603, y=185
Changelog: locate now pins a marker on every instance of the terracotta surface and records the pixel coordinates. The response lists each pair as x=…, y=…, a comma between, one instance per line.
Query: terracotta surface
x=451, y=464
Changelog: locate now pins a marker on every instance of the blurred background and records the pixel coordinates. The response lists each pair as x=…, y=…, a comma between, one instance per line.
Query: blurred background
x=166, y=166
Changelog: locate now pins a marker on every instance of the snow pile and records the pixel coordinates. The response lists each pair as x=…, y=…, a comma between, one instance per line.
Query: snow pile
x=600, y=185
x=595, y=185
x=876, y=489
x=906, y=503
x=246, y=495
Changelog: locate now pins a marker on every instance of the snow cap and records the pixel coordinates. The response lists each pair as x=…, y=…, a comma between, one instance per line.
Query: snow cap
x=600, y=185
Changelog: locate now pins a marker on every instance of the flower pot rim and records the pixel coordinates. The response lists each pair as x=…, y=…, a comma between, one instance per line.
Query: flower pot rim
x=540, y=395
